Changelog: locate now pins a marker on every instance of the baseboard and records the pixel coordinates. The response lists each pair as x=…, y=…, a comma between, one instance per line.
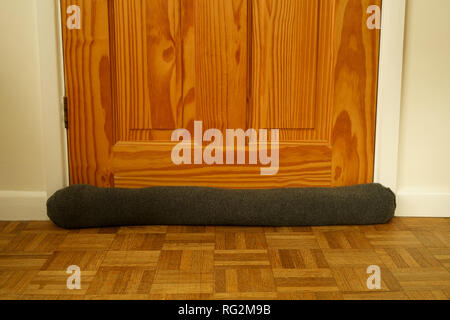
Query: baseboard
x=417, y=204
x=23, y=205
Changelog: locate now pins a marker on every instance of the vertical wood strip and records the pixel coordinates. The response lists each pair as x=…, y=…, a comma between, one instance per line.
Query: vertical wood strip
x=88, y=87
x=355, y=89
x=148, y=53
x=284, y=63
x=215, y=63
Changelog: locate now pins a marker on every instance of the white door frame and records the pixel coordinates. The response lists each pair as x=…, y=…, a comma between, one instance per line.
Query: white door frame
x=389, y=94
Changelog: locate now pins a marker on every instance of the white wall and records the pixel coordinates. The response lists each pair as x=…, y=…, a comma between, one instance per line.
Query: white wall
x=424, y=153
x=21, y=145
x=31, y=140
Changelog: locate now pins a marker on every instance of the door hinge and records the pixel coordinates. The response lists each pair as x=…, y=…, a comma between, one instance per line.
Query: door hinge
x=66, y=113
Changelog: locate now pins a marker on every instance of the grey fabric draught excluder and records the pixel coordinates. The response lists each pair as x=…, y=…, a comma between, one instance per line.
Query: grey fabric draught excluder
x=84, y=206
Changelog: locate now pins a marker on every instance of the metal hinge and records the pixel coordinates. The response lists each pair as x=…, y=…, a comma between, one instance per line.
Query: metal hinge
x=66, y=113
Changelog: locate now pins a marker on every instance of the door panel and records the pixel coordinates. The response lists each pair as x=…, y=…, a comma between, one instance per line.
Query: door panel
x=284, y=63
x=215, y=63
x=139, y=69
x=147, y=49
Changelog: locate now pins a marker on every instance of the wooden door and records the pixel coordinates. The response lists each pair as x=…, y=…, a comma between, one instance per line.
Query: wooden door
x=137, y=70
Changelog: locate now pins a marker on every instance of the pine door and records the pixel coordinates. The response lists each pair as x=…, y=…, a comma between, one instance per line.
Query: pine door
x=136, y=70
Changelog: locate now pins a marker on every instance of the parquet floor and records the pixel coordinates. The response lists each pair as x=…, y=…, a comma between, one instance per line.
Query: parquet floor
x=160, y=262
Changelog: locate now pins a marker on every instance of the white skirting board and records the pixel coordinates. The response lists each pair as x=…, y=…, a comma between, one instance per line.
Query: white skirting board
x=419, y=204
x=23, y=206
x=31, y=206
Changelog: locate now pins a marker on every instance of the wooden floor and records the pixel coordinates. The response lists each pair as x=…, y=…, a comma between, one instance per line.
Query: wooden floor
x=227, y=263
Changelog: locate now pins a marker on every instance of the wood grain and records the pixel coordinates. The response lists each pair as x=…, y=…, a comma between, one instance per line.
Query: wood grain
x=284, y=63
x=355, y=93
x=198, y=262
x=147, y=47
x=150, y=164
x=88, y=88
x=215, y=63
x=139, y=69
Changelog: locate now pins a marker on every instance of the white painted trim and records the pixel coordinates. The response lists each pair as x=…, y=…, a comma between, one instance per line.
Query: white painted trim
x=22, y=205
x=389, y=93
x=419, y=204
x=52, y=91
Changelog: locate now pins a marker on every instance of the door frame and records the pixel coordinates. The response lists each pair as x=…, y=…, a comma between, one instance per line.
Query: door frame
x=388, y=104
x=389, y=100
